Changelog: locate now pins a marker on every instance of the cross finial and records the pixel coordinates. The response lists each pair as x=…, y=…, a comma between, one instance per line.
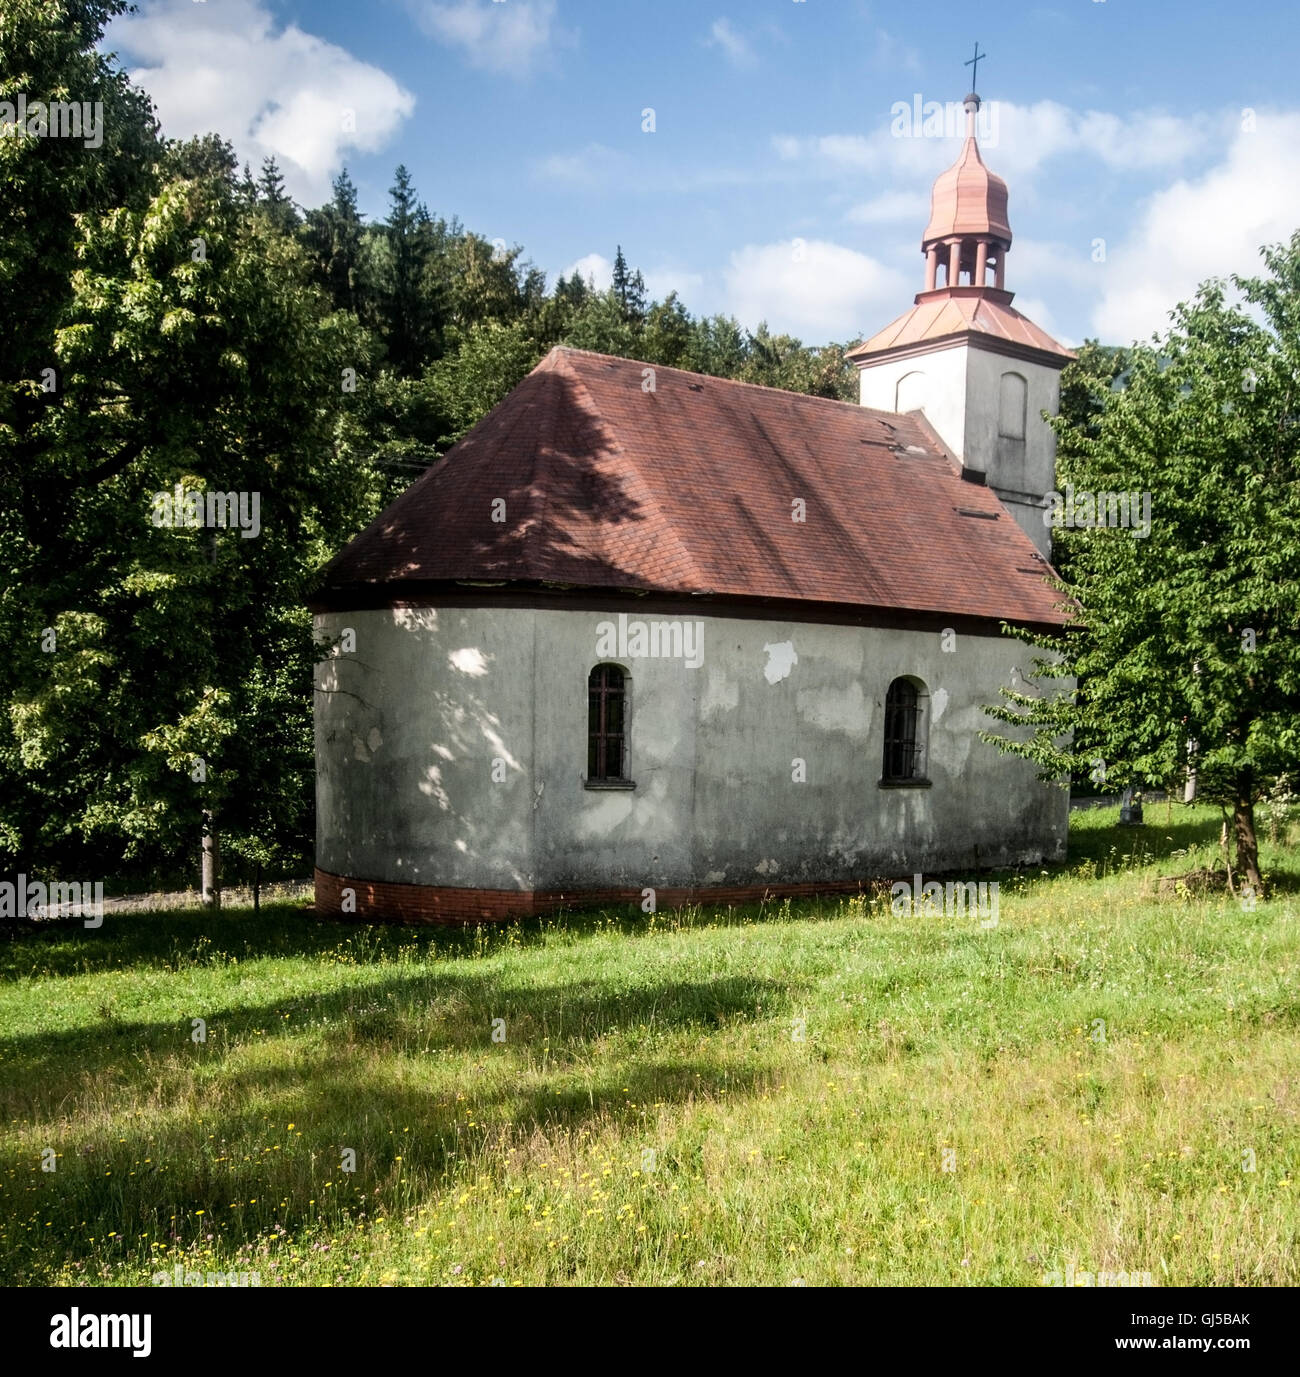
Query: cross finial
x=974, y=64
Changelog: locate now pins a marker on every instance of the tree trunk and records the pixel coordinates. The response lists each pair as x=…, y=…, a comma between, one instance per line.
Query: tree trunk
x=1243, y=826
x=211, y=871
x=257, y=889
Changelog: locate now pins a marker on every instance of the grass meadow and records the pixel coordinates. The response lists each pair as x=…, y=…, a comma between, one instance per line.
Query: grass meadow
x=817, y=1092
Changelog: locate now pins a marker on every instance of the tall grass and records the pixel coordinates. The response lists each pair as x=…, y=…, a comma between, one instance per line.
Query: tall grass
x=815, y=1091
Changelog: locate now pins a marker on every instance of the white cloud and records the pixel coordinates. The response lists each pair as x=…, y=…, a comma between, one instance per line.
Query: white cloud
x=829, y=156
x=1016, y=140
x=661, y=281
x=1206, y=227
x=1148, y=138
x=593, y=268
x=226, y=69
x=593, y=165
x=812, y=288
x=510, y=38
x=891, y=207
x=735, y=46
x=1027, y=136
x=1047, y=264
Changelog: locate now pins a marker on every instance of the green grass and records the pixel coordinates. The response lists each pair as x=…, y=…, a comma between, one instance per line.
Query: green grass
x=653, y=1115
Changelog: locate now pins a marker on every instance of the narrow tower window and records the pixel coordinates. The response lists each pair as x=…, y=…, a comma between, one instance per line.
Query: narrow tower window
x=606, y=723
x=1012, y=406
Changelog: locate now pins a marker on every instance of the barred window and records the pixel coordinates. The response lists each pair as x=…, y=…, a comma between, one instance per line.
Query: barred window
x=606, y=723
x=905, y=705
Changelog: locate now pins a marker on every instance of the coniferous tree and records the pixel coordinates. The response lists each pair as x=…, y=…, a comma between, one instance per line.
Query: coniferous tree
x=248, y=188
x=410, y=321
x=273, y=200
x=333, y=235
x=622, y=277
x=629, y=290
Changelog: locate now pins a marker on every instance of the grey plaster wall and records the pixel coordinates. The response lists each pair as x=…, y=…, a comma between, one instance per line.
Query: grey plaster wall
x=424, y=748
x=451, y=750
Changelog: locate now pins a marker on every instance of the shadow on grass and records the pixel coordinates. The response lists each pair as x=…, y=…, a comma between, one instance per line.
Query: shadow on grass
x=184, y=939
x=415, y=1015
x=1094, y=837
x=237, y=1163
x=1189, y=840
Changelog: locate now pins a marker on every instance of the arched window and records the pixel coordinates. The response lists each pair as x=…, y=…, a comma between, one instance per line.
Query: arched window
x=1012, y=406
x=905, y=732
x=606, y=723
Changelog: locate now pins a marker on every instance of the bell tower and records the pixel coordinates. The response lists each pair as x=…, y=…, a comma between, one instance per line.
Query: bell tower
x=982, y=373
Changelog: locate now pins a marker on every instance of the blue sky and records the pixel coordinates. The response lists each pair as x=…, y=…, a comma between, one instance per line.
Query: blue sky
x=1146, y=146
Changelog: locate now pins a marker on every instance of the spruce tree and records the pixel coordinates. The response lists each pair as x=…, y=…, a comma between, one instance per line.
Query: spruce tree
x=274, y=200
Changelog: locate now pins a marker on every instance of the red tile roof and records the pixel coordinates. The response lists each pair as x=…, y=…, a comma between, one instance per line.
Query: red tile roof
x=949, y=311
x=689, y=489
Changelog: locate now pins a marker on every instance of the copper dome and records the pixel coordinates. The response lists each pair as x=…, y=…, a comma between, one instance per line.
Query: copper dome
x=968, y=199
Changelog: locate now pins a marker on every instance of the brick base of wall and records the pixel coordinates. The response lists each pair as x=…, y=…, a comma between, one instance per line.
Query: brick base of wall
x=377, y=901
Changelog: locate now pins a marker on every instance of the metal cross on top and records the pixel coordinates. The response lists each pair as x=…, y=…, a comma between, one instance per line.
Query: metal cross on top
x=974, y=64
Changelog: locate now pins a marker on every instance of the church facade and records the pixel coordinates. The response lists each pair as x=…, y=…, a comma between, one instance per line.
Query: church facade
x=645, y=633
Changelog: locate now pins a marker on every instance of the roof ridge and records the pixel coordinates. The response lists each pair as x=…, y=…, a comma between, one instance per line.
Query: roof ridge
x=715, y=378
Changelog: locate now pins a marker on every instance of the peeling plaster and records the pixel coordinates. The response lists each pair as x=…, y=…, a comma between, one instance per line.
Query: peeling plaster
x=781, y=659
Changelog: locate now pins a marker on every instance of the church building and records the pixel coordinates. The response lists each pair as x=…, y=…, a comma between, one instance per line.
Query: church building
x=650, y=636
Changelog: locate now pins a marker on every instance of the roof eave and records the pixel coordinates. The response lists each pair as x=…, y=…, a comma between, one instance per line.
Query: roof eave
x=519, y=593
x=977, y=339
